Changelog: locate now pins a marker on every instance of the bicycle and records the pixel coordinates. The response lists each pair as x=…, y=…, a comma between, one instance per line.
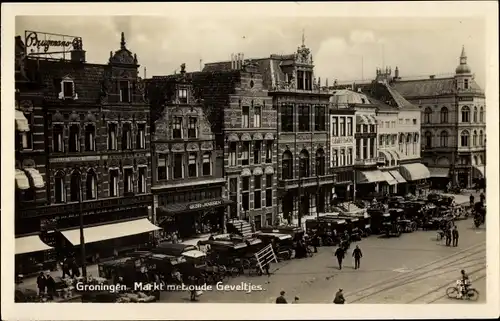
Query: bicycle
x=453, y=292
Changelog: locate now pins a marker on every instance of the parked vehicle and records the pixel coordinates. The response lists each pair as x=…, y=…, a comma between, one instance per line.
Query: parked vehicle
x=391, y=223
x=173, y=249
x=283, y=244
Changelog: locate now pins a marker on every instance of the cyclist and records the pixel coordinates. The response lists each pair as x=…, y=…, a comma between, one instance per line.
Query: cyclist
x=464, y=283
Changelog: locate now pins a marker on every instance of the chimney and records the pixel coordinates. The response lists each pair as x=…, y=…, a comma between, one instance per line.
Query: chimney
x=78, y=54
x=432, y=76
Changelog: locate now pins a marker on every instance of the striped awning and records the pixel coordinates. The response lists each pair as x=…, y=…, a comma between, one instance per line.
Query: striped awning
x=367, y=177
x=36, y=176
x=22, y=181
x=22, y=124
x=389, y=178
x=400, y=179
x=362, y=119
x=439, y=171
x=414, y=172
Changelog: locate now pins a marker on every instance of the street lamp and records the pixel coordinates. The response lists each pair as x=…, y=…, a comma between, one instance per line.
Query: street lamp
x=82, y=237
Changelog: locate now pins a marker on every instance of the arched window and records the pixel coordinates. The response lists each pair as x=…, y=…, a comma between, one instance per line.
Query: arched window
x=465, y=114
x=427, y=115
x=444, y=115
x=320, y=162
x=474, y=139
x=74, y=138
x=287, y=165
x=481, y=138
x=428, y=140
x=304, y=163
x=415, y=138
x=443, y=139
x=475, y=115
x=89, y=137
x=91, y=185
x=60, y=187
x=481, y=114
x=464, y=139
x=75, y=186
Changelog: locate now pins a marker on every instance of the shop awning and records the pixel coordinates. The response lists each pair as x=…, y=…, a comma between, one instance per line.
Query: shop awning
x=36, y=176
x=22, y=181
x=389, y=178
x=176, y=208
x=400, y=179
x=367, y=177
x=29, y=244
x=439, y=171
x=110, y=231
x=22, y=124
x=478, y=171
x=362, y=119
x=414, y=172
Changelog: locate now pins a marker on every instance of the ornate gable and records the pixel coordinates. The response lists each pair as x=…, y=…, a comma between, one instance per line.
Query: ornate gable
x=123, y=55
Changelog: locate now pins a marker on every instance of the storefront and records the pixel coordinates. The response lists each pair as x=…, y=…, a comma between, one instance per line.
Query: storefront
x=32, y=255
x=389, y=185
x=440, y=177
x=416, y=175
x=368, y=183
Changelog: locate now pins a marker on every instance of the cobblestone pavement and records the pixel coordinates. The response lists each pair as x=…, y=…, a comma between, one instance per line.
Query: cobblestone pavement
x=414, y=268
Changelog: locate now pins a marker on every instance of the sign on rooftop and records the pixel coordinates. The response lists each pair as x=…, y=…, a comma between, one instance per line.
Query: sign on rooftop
x=50, y=45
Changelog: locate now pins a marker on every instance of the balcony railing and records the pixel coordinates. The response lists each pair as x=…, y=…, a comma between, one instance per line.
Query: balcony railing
x=369, y=161
x=306, y=181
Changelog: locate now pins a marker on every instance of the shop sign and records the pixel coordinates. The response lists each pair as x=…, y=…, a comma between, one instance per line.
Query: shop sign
x=204, y=205
x=74, y=159
x=342, y=140
x=43, y=42
x=466, y=98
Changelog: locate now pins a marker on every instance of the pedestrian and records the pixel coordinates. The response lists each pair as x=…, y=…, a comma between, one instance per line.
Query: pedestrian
x=75, y=271
x=65, y=268
x=471, y=199
x=51, y=286
x=340, y=253
x=296, y=300
x=281, y=299
x=41, y=284
x=357, y=257
x=455, y=236
x=339, y=297
x=448, y=236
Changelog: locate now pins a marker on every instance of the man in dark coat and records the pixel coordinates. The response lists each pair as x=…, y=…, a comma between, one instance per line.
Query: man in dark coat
x=357, y=257
x=65, y=268
x=281, y=299
x=447, y=234
x=340, y=253
x=471, y=199
x=339, y=297
x=51, y=286
x=454, y=234
x=41, y=284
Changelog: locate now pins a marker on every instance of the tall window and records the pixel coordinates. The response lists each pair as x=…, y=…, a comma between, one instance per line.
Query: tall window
x=245, y=117
x=304, y=163
x=475, y=115
x=342, y=157
x=257, y=115
x=192, y=172
x=257, y=192
x=269, y=151
x=335, y=129
x=444, y=115
x=387, y=140
x=481, y=114
x=287, y=165
x=245, y=192
x=90, y=138
x=349, y=126
x=126, y=136
x=124, y=91
x=335, y=158
x=113, y=182
x=408, y=142
x=192, y=125
x=481, y=138
x=60, y=188
x=269, y=190
x=300, y=80
x=381, y=140
x=358, y=148
x=57, y=136
x=162, y=166
x=428, y=139
x=245, y=153
x=183, y=96
x=466, y=83
x=232, y=153
x=342, y=126
x=365, y=148
x=465, y=114
x=128, y=180
x=91, y=185
x=304, y=118
x=349, y=156
x=257, y=147
x=142, y=180
x=464, y=139
x=474, y=138
x=427, y=115
x=287, y=118
x=75, y=186
x=443, y=139
x=319, y=118
x=320, y=162
x=177, y=128
x=178, y=166
x=112, y=138
x=207, y=164
x=141, y=136
x=74, y=138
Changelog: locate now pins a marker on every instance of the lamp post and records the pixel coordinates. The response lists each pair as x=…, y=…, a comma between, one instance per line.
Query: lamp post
x=82, y=237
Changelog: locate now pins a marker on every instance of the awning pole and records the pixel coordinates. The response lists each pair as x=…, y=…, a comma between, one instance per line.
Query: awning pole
x=82, y=237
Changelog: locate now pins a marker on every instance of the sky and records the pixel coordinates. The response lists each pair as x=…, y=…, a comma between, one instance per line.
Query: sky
x=343, y=48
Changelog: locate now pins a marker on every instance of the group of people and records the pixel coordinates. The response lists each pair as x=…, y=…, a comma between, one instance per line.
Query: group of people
x=341, y=252
x=46, y=285
x=338, y=299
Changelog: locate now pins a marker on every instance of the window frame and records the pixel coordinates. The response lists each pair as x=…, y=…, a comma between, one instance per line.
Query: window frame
x=121, y=92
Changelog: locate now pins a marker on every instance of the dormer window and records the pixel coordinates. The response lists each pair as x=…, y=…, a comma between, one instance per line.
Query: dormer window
x=183, y=96
x=124, y=91
x=67, y=89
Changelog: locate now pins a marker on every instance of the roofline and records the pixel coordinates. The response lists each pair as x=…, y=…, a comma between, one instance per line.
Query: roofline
x=67, y=61
x=424, y=79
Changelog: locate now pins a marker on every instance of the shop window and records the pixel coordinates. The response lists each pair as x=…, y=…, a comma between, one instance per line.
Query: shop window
x=257, y=197
x=177, y=128
x=269, y=190
x=245, y=153
x=320, y=162
x=269, y=151
x=207, y=164
x=141, y=136
x=57, y=136
x=342, y=126
x=124, y=91
x=192, y=170
x=90, y=137
x=128, y=180
x=320, y=118
x=182, y=94
x=287, y=118
x=75, y=186
x=287, y=165
x=91, y=185
x=126, y=136
x=142, y=181
x=257, y=116
x=269, y=219
x=232, y=153
x=349, y=126
x=245, y=117
x=304, y=163
x=465, y=114
x=162, y=167
x=60, y=188
x=112, y=137
x=178, y=166
x=464, y=139
x=192, y=126
x=113, y=183
x=257, y=145
x=304, y=118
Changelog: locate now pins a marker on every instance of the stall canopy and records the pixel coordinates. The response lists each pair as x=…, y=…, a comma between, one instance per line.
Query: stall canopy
x=414, y=172
x=478, y=171
x=22, y=124
x=367, y=177
x=22, y=181
x=29, y=244
x=389, y=178
x=439, y=171
x=36, y=176
x=110, y=231
x=400, y=179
